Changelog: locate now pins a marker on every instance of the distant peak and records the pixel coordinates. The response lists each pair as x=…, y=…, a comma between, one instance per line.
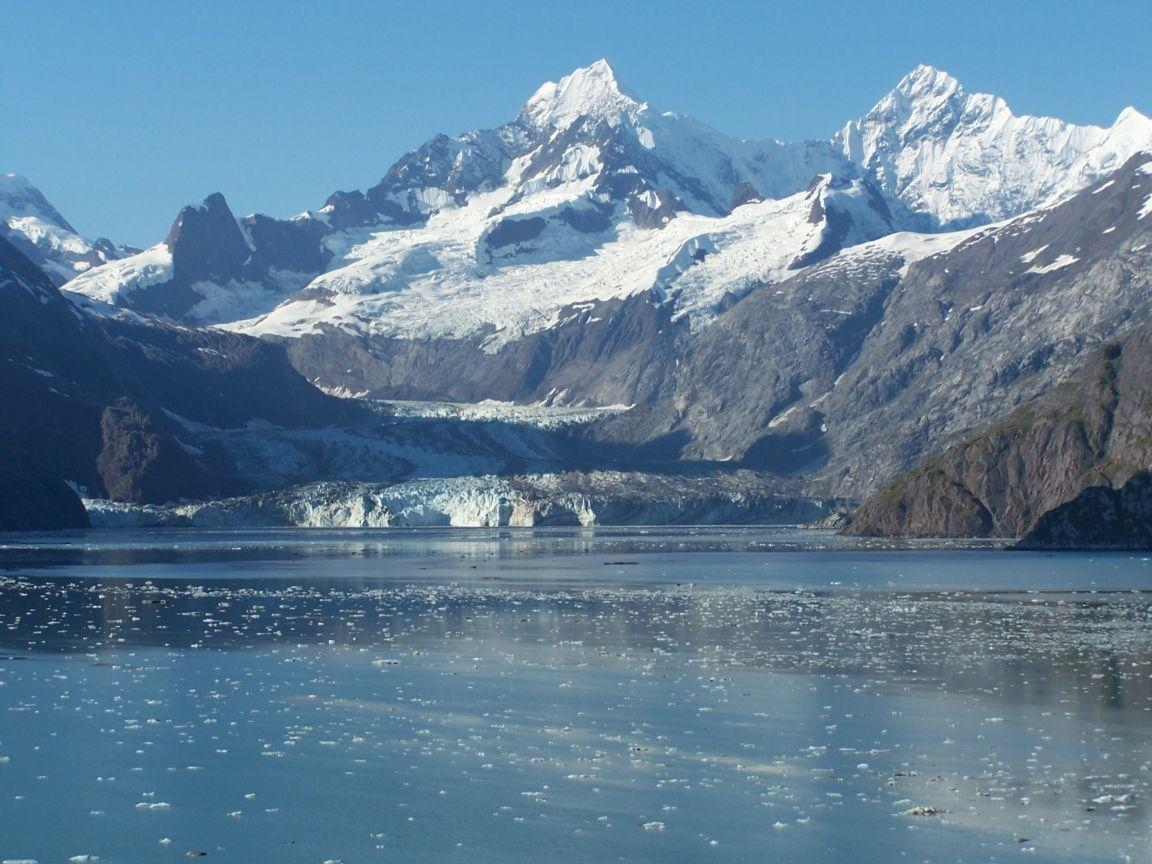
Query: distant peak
x=598, y=69
x=211, y=215
x=590, y=91
x=18, y=185
x=1130, y=116
x=19, y=197
x=14, y=181
x=216, y=201
x=927, y=80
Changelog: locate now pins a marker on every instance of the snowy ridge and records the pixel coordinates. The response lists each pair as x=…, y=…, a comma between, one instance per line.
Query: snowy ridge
x=33, y=225
x=435, y=281
x=959, y=159
x=592, y=195
x=116, y=282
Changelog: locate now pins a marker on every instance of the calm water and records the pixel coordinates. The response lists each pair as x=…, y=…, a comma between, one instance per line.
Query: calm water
x=569, y=696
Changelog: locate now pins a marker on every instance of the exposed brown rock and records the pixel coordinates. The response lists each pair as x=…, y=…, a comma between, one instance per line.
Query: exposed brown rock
x=140, y=462
x=1098, y=518
x=1095, y=431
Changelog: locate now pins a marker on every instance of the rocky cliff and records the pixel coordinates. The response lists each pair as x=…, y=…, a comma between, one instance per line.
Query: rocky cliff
x=1098, y=518
x=102, y=402
x=1093, y=433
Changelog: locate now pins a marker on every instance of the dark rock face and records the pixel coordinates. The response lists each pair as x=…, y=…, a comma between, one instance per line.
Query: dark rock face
x=348, y=210
x=744, y=193
x=139, y=464
x=510, y=231
x=50, y=430
x=1100, y=517
x=293, y=245
x=611, y=352
x=591, y=220
x=33, y=499
x=1094, y=431
x=206, y=243
x=86, y=400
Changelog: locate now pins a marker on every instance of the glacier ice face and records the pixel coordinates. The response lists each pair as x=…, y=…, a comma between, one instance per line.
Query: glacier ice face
x=488, y=501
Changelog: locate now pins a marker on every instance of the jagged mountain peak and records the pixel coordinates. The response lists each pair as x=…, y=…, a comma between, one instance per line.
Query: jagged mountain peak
x=927, y=80
x=591, y=91
x=1131, y=116
x=955, y=159
x=213, y=210
x=1132, y=130
x=206, y=243
x=929, y=101
x=215, y=204
x=19, y=197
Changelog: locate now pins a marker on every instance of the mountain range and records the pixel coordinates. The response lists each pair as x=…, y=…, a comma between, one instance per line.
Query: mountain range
x=815, y=317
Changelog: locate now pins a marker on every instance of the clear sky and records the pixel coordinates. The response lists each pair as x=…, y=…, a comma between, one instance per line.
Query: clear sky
x=124, y=111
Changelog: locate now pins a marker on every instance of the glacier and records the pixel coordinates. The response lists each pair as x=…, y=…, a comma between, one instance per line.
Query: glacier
x=488, y=501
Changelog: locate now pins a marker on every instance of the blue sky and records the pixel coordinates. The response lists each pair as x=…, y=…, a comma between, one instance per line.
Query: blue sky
x=122, y=112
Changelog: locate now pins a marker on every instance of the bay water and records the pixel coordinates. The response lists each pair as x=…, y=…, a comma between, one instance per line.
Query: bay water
x=570, y=695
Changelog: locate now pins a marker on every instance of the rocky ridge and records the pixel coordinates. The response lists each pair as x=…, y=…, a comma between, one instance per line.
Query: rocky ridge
x=1041, y=471
x=1100, y=517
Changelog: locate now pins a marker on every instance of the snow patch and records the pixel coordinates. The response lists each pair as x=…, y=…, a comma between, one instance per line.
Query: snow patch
x=1060, y=263
x=115, y=282
x=1029, y=257
x=1146, y=209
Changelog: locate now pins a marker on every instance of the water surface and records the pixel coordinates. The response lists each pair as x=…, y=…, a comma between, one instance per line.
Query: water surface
x=569, y=695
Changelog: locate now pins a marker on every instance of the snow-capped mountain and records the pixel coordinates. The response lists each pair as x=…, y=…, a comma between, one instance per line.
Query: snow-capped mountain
x=717, y=306
x=859, y=367
x=954, y=159
x=591, y=195
x=585, y=167
x=30, y=223
x=587, y=142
